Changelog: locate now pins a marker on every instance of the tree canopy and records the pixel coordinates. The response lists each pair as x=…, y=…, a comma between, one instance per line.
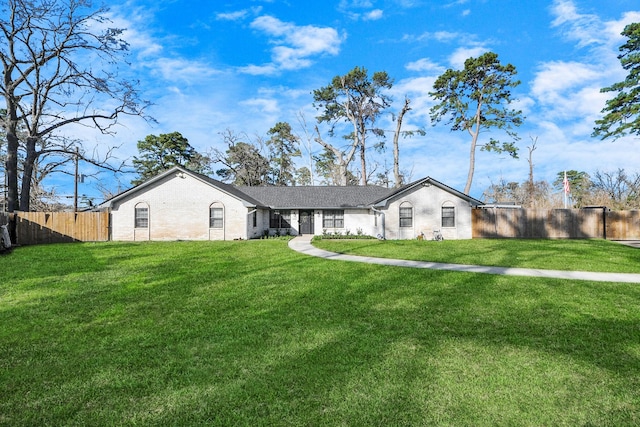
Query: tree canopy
x=622, y=113
x=477, y=98
x=359, y=100
x=283, y=146
x=160, y=153
x=48, y=84
x=243, y=163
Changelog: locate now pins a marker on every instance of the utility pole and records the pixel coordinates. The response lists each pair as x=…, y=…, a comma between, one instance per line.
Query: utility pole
x=75, y=190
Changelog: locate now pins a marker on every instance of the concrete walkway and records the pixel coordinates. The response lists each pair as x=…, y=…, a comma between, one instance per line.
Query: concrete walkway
x=303, y=245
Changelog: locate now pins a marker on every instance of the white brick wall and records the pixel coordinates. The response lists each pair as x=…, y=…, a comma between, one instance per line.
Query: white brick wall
x=427, y=202
x=179, y=210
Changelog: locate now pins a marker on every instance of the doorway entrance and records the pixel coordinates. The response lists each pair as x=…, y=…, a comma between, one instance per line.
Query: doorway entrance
x=305, y=222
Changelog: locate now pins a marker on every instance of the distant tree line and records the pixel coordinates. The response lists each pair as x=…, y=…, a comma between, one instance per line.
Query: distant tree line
x=615, y=190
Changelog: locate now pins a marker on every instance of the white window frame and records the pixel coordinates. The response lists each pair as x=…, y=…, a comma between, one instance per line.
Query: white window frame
x=404, y=220
x=333, y=218
x=141, y=220
x=450, y=218
x=216, y=215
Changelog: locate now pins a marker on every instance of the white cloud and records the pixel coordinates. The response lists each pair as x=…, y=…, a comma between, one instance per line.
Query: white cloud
x=558, y=77
x=417, y=89
x=259, y=70
x=175, y=69
x=347, y=4
x=352, y=8
x=294, y=45
x=139, y=42
x=239, y=15
x=570, y=90
x=456, y=3
x=460, y=55
x=262, y=105
x=439, y=36
x=233, y=16
x=586, y=29
x=425, y=65
x=613, y=29
x=373, y=15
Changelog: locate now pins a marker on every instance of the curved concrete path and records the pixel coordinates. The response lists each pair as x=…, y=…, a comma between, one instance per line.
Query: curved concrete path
x=303, y=245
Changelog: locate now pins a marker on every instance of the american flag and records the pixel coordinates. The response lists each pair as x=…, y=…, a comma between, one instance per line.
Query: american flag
x=565, y=183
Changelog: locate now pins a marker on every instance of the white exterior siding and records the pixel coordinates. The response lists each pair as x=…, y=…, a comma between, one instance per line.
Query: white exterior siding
x=179, y=210
x=427, y=202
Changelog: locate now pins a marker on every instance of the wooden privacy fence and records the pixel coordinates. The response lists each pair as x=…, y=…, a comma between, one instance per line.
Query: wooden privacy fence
x=58, y=227
x=555, y=223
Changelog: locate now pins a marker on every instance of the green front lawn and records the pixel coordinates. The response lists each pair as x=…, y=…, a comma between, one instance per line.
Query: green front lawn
x=252, y=333
x=585, y=255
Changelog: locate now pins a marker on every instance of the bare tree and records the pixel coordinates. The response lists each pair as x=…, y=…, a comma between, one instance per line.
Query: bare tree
x=617, y=190
x=342, y=159
x=396, y=146
x=51, y=53
x=308, y=139
x=243, y=162
x=531, y=183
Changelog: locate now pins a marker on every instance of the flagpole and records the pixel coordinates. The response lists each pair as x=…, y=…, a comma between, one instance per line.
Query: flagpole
x=565, y=188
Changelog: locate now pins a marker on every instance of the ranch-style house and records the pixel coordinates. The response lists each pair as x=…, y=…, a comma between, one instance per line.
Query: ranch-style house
x=179, y=204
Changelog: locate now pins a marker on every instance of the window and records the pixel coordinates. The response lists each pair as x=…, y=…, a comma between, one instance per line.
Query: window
x=333, y=219
x=406, y=216
x=280, y=219
x=216, y=216
x=142, y=216
x=448, y=216
x=255, y=219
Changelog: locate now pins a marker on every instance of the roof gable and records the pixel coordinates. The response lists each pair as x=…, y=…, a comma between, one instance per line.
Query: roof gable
x=226, y=188
x=425, y=182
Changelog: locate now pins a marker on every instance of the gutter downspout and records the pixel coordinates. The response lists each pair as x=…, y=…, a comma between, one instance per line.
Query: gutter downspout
x=381, y=220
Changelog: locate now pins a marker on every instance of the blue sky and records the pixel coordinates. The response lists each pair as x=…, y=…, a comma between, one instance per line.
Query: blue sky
x=209, y=66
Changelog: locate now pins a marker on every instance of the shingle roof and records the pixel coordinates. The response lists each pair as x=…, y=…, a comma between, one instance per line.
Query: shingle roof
x=231, y=189
x=303, y=197
x=316, y=197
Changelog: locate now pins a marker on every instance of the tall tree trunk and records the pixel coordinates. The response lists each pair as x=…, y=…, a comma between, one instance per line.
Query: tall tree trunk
x=363, y=164
x=531, y=184
x=472, y=164
x=27, y=174
x=396, y=147
x=12, y=171
x=474, y=142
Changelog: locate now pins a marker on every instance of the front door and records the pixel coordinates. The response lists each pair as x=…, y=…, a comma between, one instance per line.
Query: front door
x=306, y=222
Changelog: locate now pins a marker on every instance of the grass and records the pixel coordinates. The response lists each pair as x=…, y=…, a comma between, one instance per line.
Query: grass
x=251, y=333
x=585, y=255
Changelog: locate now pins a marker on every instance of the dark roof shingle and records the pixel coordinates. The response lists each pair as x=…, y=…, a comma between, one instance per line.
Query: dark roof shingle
x=316, y=197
